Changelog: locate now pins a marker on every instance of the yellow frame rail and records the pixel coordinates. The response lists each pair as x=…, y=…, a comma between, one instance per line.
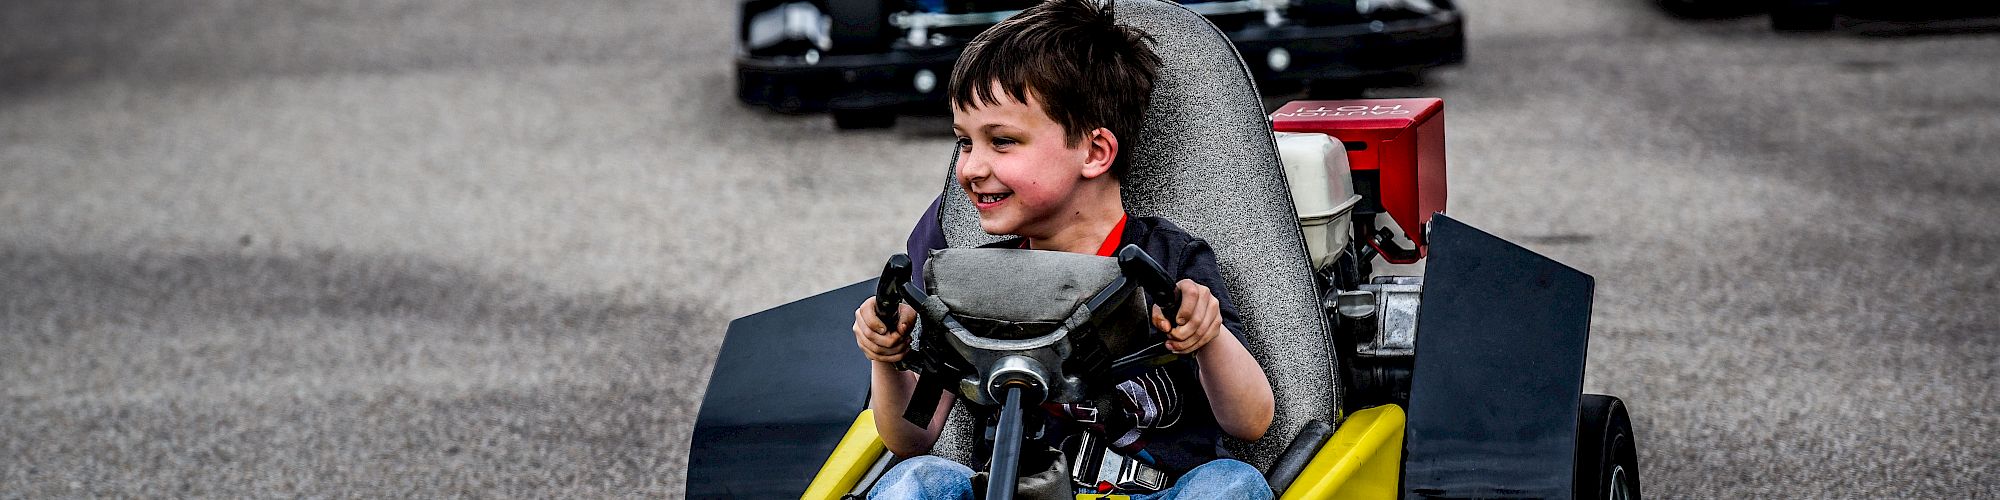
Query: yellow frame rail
x=1362, y=460
x=857, y=451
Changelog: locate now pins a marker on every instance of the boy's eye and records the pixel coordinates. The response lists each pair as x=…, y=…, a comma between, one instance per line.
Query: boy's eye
x=1002, y=141
x=964, y=143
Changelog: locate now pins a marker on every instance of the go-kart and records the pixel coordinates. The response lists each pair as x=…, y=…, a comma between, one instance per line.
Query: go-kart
x=1824, y=15
x=1462, y=380
x=864, y=61
x=1828, y=15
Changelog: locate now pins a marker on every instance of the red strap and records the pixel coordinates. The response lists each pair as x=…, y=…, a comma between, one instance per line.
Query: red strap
x=1110, y=245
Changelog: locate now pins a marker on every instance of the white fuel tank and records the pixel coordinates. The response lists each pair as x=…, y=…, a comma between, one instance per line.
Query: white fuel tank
x=1322, y=189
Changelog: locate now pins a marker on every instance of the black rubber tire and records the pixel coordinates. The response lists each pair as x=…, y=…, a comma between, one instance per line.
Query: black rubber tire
x=856, y=119
x=1802, y=15
x=859, y=26
x=1607, y=453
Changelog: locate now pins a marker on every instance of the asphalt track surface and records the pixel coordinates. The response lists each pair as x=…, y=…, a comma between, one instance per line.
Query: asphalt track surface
x=418, y=248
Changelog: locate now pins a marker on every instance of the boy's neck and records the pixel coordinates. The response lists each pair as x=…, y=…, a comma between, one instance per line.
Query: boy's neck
x=1084, y=229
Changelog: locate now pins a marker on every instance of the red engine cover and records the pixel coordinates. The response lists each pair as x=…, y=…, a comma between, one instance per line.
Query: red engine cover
x=1400, y=140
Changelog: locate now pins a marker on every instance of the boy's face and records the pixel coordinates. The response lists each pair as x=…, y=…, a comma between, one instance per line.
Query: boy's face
x=1017, y=165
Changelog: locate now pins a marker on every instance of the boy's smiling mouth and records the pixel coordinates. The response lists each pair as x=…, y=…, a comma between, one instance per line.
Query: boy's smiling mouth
x=988, y=200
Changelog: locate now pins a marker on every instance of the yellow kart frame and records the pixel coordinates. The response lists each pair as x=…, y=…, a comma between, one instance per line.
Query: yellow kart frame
x=1361, y=460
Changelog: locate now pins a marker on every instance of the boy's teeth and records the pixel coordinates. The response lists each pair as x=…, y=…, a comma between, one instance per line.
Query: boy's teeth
x=990, y=198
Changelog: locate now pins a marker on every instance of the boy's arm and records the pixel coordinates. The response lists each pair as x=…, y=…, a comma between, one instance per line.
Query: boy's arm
x=890, y=396
x=1238, y=392
x=890, y=388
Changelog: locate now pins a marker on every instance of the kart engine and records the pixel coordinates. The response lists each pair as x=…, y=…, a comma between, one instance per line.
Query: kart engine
x=1366, y=175
x=1375, y=332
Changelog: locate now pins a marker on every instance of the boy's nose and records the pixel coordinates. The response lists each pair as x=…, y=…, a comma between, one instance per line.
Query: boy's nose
x=972, y=170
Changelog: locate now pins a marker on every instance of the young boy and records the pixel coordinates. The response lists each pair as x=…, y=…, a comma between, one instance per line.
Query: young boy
x=1041, y=103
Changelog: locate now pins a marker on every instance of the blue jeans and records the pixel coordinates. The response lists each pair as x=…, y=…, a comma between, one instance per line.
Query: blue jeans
x=929, y=477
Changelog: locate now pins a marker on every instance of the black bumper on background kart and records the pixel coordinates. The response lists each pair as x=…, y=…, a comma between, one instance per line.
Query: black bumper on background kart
x=1351, y=51
x=883, y=81
x=1279, y=57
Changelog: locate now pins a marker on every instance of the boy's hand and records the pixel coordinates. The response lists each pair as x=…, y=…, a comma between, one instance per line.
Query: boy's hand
x=875, y=339
x=1199, y=319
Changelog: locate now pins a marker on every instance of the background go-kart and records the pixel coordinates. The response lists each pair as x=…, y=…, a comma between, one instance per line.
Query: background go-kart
x=437, y=247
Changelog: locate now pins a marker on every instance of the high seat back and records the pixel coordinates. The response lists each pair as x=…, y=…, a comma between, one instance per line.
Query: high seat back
x=1205, y=159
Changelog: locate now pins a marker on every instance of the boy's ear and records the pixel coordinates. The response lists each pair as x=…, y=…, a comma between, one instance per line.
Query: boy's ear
x=1101, y=150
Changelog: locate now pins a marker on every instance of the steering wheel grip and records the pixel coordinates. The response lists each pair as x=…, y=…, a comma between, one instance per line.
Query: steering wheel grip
x=1147, y=272
x=889, y=289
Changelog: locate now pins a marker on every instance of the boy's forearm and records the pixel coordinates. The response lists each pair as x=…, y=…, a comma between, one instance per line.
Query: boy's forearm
x=889, y=397
x=1238, y=392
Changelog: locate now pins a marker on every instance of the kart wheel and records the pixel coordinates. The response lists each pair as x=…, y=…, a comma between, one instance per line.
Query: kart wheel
x=855, y=119
x=1802, y=15
x=1607, y=458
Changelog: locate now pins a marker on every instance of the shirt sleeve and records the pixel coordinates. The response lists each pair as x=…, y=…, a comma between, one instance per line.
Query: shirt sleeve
x=927, y=235
x=1197, y=263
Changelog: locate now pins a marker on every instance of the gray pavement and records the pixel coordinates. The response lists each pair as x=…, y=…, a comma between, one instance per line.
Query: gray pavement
x=402, y=248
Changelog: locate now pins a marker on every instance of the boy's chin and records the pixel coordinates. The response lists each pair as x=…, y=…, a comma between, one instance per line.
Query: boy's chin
x=995, y=228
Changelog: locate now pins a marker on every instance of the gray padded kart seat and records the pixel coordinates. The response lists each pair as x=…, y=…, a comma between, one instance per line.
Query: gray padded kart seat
x=1205, y=159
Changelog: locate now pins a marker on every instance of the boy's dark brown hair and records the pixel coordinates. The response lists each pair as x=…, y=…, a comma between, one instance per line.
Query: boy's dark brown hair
x=1087, y=71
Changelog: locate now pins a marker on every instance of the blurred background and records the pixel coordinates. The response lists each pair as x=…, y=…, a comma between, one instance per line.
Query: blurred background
x=416, y=249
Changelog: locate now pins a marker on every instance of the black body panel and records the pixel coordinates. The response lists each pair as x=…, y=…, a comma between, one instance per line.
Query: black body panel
x=1500, y=347
x=786, y=387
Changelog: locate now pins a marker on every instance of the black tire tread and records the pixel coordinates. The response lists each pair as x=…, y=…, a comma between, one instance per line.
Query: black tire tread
x=1604, y=438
